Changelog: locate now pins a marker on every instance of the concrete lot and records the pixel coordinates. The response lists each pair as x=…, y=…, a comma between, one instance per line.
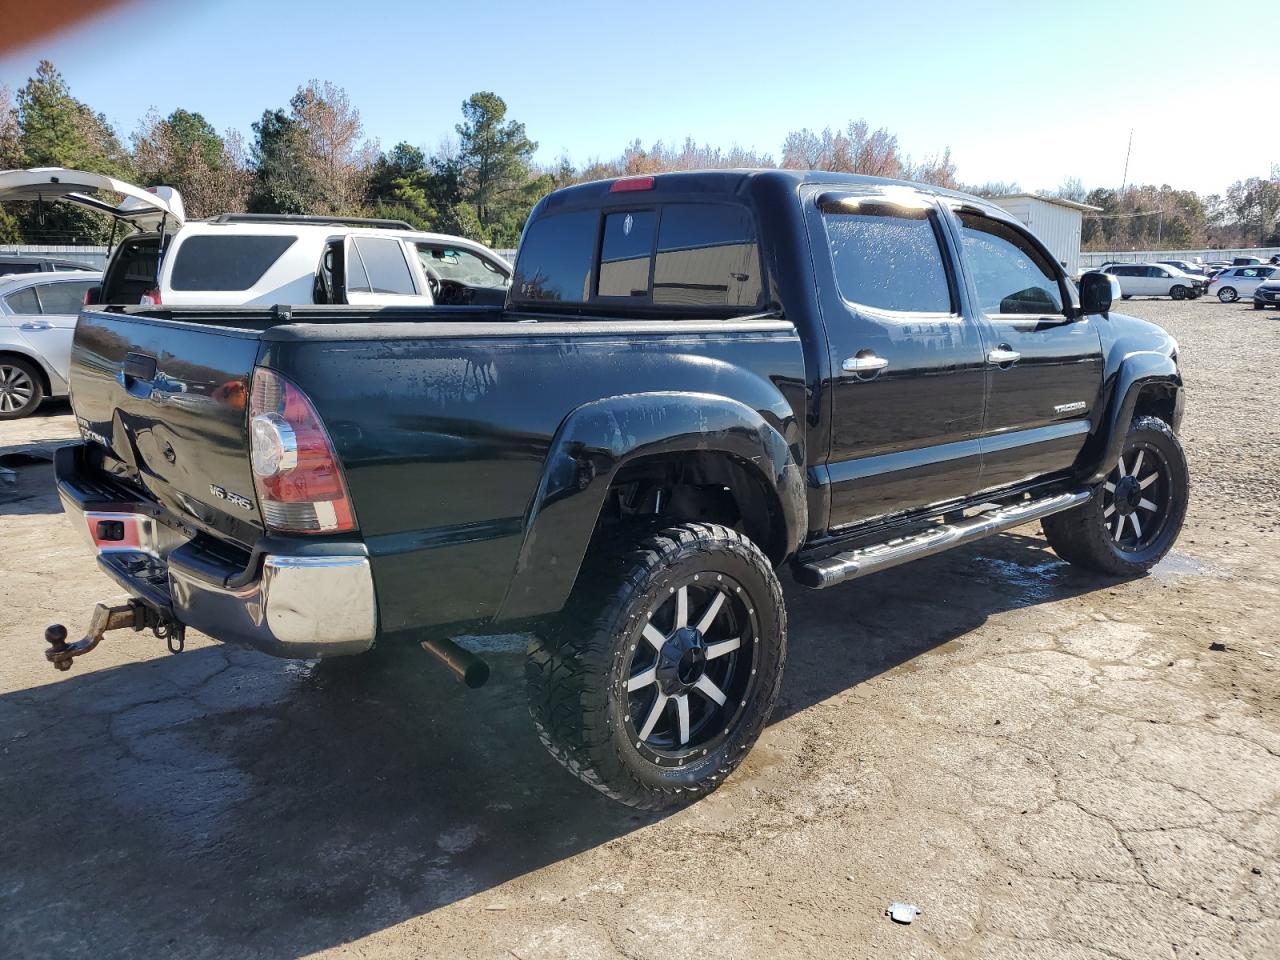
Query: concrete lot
x=1050, y=764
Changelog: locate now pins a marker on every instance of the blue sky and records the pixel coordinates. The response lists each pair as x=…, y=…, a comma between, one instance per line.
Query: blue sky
x=1028, y=92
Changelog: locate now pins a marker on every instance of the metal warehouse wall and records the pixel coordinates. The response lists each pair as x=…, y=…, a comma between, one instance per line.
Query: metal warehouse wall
x=90, y=256
x=1096, y=258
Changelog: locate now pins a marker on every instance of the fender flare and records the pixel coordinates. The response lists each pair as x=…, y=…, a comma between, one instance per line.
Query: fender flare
x=601, y=437
x=1136, y=371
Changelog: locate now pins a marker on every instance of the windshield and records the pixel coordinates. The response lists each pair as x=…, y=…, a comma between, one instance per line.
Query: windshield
x=462, y=266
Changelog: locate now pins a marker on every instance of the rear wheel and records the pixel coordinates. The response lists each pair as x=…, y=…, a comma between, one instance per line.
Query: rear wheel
x=1228, y=295
x=1135, y=516
x=663, y=670
x=21, y=389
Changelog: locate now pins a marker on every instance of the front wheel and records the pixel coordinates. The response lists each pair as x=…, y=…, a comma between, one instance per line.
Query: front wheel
x=1135, y=516
x=1228, y=295
x=1258, y=305
x=1179, y=292
x=663, y=669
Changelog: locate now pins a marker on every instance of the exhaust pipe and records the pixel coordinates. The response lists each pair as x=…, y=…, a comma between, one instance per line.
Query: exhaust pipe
x=466, y=666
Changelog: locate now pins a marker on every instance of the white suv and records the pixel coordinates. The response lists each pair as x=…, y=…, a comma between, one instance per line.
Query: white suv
x=264, y=259
x=1155, y=280
x=241, y=259
x=1236, y=282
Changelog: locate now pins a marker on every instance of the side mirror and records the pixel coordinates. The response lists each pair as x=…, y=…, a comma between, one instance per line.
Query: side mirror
x=92, y=296
x=1097, y=291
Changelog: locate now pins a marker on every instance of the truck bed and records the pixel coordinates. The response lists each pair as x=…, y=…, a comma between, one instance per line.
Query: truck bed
x=417, y=403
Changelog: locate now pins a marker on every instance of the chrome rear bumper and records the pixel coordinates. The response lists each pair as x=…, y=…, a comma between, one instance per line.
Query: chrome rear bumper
x=293, y=606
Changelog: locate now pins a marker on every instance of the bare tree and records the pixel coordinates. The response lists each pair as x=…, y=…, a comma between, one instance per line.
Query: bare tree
x=183, y=151
x=856, y=149
x=337, y=155
x=10, y=132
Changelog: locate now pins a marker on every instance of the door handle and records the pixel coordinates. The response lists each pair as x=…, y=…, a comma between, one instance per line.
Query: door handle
x=864, y=364
x=1003, y=354
x=36, y=325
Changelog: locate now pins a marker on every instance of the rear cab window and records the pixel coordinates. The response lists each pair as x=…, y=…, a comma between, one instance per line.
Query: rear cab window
x=690, y=255
x=226, y=262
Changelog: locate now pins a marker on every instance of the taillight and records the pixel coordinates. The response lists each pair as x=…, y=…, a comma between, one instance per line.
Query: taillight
x=151, y=298
x=295, y=471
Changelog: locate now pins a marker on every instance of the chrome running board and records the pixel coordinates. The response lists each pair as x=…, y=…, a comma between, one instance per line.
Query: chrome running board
x=881, y=556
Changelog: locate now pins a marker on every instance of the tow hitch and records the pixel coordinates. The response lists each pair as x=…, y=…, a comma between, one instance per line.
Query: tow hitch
x=135, y=615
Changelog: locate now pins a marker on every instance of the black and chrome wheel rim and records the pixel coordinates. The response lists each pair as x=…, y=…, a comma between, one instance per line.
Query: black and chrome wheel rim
x=692, y=669
x=16, y=389
x=1137, y=498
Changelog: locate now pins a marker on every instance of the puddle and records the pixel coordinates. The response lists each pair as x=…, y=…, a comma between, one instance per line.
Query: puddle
x=1034, y=582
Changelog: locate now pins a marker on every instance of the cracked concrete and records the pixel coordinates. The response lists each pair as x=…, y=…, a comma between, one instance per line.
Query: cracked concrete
x=1052, y=765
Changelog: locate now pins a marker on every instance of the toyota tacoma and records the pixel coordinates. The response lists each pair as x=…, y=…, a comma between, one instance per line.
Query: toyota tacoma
x=696, y=380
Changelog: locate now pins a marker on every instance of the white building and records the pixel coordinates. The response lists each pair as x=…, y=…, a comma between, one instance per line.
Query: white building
x=1056, y=222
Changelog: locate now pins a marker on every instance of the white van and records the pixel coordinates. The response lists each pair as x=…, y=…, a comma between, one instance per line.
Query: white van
x=265, y=259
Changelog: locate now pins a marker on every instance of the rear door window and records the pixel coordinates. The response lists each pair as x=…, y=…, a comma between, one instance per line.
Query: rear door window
x=66, y=297
x=23, y=301
x=626, y=253
x=6, y=268
x=887, y=257
x=226, y=261
x=385, y=266
x=554, y=262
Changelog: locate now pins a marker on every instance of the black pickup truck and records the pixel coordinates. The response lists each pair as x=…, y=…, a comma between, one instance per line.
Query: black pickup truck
x=697, y=378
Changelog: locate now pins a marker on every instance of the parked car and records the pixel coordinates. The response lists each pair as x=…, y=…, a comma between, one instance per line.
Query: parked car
x=266, y=259
x=1156, y=280
x=1186, y=266
x=1245, y=261
x=696, y=379
x=1267, y=293
x=1236, y=282
x=37, y=319
x=11, y=263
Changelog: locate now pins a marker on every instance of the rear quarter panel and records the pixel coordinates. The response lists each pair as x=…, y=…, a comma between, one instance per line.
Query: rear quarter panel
x=444, y=429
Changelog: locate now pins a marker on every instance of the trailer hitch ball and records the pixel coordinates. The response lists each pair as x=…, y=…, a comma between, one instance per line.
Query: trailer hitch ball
x=56, y=636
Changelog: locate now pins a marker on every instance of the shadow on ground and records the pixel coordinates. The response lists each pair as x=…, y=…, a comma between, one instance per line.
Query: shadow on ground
x=222, y=802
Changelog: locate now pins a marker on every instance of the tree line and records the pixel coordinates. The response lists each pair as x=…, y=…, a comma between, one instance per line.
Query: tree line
x=311, y=156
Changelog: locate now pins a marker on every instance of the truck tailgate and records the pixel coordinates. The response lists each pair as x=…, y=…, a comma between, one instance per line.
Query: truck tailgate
x=167, y=400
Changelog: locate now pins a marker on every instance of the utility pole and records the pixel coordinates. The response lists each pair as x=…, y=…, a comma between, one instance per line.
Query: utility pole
x=1124, y=182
